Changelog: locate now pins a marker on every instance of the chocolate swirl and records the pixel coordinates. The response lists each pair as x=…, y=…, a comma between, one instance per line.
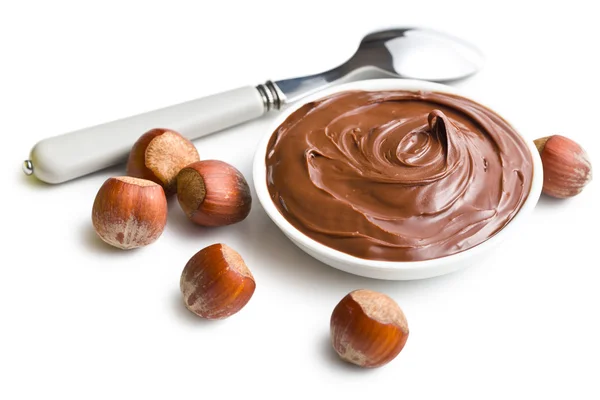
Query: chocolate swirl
x=397, y=176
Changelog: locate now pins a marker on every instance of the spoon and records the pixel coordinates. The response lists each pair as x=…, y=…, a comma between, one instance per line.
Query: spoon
x=414, y=53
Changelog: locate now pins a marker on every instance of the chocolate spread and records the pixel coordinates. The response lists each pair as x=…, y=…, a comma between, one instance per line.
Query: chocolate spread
x=397, y=175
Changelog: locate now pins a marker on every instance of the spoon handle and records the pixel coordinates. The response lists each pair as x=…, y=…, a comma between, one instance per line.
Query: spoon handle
x=71, y=155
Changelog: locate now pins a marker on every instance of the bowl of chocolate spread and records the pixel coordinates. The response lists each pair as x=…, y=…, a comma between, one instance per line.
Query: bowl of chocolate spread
x=396, y=179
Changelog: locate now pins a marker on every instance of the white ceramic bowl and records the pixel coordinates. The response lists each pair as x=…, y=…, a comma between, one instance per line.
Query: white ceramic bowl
x=393, y=270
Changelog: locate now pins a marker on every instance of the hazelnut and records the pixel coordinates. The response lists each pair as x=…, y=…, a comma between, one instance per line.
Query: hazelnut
x=567, y=167
x=158, y=155
x=368, y=328
x=129, y=212
x=216, y=283
x=213, y=193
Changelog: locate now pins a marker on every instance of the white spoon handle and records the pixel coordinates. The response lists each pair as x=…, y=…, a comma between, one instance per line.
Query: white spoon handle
x=72, y=155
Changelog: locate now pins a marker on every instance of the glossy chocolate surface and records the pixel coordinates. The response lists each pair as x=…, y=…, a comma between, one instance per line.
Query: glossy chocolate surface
x=397, y=175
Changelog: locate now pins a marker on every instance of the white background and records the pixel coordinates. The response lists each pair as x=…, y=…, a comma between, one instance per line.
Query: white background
x=80, y=320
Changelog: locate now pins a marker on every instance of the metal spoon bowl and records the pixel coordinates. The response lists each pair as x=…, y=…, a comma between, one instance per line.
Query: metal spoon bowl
x=410, y=53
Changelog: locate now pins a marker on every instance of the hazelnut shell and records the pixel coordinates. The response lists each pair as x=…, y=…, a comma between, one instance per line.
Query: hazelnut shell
x=158, y=155
x=368, y=328
x=567, y=167
x=129, y=212
x=216, y=283
x=213, y=193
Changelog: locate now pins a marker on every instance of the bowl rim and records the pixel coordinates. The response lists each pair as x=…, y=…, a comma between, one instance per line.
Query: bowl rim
x=421, y=266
